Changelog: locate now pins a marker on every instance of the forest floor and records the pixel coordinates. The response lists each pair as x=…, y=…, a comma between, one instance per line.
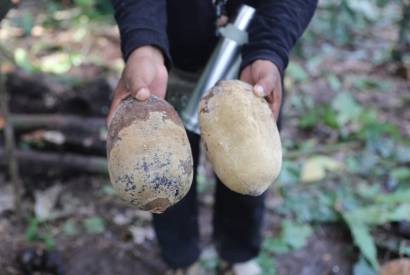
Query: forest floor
x=346, y=141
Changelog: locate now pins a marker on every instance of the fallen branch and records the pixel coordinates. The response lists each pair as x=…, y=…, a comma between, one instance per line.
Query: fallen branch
x=9, y=154
x=67, y=140
x=31, y=158
x=41, y=93
x=55, y=121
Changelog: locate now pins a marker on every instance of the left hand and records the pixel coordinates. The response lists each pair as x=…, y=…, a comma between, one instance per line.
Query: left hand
x=265, y=78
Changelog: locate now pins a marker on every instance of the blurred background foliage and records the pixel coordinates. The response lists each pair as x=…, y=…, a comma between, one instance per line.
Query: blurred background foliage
x=347, y=123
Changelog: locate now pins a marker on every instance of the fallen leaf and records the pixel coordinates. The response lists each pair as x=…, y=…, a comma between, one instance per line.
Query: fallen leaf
x=45, y=201
x=396, y=267
x=94, y=225
x=6, y=198
x=54, y=137
x=140, y=234
x=2, y=122
x=314, y=168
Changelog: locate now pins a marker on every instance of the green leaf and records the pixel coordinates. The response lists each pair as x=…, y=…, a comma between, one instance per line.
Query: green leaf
x=364, y=7
x=22, y=60
x=402, y=154
x=56, y=63
x=275, y=246
x=32, y=229
x=346, y=108
x=378, y=214
x=289, y=173
x=295, y=235
x=85, y=3
x=363, y=268
x=367, y=83
x=69, y=228
x=94, y=225
x=360, y=219
x=363, y=240
x=400, y=196
x=334, y=82
x=267, y=263
x=296, y=72
x=401, y=173
x=309, y=119
x=330, y=117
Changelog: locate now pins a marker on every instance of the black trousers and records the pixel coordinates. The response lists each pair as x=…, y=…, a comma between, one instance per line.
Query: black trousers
x=237, y=224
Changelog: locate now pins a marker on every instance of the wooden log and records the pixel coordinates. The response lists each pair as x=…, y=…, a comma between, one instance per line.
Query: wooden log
x=68, y=132
x=45, y=93
x=57, y=121
x=67, y=140
x=66, y=161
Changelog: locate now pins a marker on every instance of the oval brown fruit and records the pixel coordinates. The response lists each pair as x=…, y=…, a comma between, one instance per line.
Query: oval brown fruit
x=149, y=156
x=240, y=137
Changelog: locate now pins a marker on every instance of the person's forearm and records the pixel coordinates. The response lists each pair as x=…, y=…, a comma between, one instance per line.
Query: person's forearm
x=275, y=29
x=142, y=23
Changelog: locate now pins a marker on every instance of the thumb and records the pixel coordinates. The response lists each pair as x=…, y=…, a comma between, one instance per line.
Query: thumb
x=137, y=88
x=142, y=94
x=263, y=87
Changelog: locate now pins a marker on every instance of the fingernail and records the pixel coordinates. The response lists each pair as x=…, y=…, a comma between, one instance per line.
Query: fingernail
x=142, y=94
x=258, y=90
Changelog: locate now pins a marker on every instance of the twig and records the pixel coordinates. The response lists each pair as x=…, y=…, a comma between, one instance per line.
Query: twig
x=10, y=148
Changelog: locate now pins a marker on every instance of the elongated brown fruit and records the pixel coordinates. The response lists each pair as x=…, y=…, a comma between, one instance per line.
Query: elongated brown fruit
x=149, y=156
x=240, y=137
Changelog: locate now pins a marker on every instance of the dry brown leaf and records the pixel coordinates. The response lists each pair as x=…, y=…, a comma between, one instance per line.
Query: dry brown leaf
x=396, y=267
x=2, y=122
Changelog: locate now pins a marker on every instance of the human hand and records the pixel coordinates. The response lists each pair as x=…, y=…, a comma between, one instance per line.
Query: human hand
x=144, y=74
x=266, y=81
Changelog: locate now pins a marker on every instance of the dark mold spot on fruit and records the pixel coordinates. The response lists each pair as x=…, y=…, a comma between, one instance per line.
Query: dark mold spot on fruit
x=159, y=181
x=126, y=181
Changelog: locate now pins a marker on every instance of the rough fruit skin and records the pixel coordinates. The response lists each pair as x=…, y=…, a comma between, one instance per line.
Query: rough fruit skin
x=149, y=156
x=240, y=137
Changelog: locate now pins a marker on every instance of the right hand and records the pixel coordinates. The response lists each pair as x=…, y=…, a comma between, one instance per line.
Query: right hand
x=144, y=75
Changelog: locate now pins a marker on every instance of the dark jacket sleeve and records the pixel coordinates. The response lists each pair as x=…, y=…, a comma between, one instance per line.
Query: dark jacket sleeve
x=142, y=23
x=275, y=28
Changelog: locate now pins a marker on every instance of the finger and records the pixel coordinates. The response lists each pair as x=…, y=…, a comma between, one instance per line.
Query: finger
x=158, y=87
x=137, y=83
x=275, y=99
x=258, y=90
x=142, y=94
x=138, y=89
x=264, y=86
x=246, y=75
x=120, y=93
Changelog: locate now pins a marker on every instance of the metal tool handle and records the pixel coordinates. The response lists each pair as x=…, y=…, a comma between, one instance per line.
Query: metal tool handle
x=223, y=64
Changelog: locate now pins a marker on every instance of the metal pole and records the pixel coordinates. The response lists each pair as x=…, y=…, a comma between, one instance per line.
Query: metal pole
x=224, y=63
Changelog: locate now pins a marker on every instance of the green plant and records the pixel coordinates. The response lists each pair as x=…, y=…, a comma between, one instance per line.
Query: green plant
x=39, y=231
